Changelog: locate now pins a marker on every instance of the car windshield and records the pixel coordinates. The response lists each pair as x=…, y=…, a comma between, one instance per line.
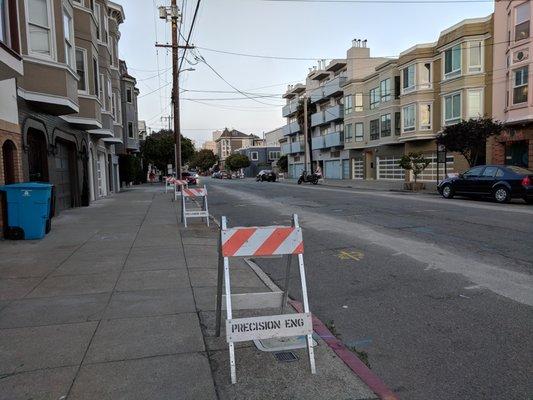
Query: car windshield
x=519, y=170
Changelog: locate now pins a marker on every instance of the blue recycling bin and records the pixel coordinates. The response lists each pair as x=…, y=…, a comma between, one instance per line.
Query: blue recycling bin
x=28, y=209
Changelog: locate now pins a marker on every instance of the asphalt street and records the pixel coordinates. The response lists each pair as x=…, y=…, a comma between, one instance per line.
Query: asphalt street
x=438, y=293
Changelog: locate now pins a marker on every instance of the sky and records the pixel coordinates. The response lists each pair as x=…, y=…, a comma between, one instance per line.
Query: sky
x=303, y=29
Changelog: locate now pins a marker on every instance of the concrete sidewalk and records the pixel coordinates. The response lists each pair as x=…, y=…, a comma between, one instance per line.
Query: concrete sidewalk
x=118, y=301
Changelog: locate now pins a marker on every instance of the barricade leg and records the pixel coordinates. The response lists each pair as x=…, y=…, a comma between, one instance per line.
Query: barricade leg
x=206, y=209
x=183, y=214
x=287, y=283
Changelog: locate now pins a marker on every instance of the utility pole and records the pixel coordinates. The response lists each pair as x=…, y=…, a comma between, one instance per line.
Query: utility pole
x=164, y=13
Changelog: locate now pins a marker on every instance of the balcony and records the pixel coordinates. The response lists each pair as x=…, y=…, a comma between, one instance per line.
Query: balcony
x=291, y=129
x=334, y=139
x=10, y=63
x=328, y=115
x=331, y=88
x=292, y=148
x=89, y=116
x=290, y=108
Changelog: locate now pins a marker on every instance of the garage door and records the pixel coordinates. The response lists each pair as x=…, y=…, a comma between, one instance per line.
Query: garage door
x=357, y=169
x=345, y=169
x=332, y=169
x=295, y=170
x=63, y=176
x=430, y=173
x=389, y=169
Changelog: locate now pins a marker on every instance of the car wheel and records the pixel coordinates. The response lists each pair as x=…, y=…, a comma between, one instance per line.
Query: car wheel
x=447, y=191
x=501, y=194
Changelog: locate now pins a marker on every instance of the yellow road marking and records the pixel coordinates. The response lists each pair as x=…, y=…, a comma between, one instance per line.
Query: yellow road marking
x=350, y=255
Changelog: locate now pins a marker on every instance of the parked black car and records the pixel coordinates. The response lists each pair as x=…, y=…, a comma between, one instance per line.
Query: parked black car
x=266, y=175
x=502, y=183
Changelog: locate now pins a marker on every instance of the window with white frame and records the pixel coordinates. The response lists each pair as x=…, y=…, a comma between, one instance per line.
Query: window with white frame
x=118, y=108
x=254, y=156
x=408, y=75
x=374, y=98
x=522, y=17
x=425, y=76
x=385, y=90
x=128, y=95
x=98, y=14
x=274, y=155
x=106, y=26
x=358, y=102
x=348, y=132
x=68, y=31
x=474, y=103
x=397, y=123
x=96, y=85
x=475, y=56
x=452, y=108
x=520, y=85
x=40, y=27
x=408, y=120
x=348, y=104
x=452, y=62
x=359, y=131
x=425, y=116
x=386, y=125
x=81, y=69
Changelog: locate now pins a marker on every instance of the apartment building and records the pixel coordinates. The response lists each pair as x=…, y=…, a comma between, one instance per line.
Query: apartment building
x=293, y=143
x=130, y=113
x=512, y=104
x=443, y=83
x=371, y=116
x=11, y=68
x=324, y=85
x=210, y=145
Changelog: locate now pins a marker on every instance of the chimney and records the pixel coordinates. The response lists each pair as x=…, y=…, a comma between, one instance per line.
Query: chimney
x=364, y=43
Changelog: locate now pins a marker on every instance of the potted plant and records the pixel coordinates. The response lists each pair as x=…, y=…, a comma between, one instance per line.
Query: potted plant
x=417, y=163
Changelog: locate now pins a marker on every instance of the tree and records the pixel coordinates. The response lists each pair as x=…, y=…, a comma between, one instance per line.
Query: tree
x=283, y=163
x=237, y=161
x=158, y=149
x=204, y=160
x=415, y=162
x=469, y=137
x=130, y=169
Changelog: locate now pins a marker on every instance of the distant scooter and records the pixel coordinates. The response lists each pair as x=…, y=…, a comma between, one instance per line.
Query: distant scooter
x=305, y=177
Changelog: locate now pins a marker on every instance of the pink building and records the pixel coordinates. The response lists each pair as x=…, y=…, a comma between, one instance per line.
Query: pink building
x=511, y=102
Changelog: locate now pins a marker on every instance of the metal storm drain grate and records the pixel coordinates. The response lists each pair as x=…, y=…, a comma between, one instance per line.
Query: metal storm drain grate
x=285, y=356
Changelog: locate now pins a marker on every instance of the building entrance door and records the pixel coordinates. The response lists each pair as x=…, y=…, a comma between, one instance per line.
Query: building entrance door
x=37, y=156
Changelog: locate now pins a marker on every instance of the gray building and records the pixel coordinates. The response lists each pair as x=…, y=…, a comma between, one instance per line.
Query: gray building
x=261, y=157
x=129, y=113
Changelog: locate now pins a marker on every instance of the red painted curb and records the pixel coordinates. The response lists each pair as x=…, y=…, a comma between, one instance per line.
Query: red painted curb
x=349, y=358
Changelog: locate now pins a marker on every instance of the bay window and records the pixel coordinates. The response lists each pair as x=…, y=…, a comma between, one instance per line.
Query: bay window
x=68, y=31
x=397, y=123
x=475, y=54
x=425, y=76
x=425, y=116
x=81, y=69
x=98, y=14
x=520, y=85
x=40, y=27
x=522, y=16
x=452, y=62
x=452, y=108
x=374, y=98
x=385, y=89
x=359, y=132
x=374, y=129
x=358, y=102
x=385, y=125
x=408, y=78
x=408, y=118
x=348, y=104
x=348, y=132
x=474, y=103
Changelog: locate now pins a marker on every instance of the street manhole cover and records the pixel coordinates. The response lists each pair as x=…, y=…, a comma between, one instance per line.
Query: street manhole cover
x=285, y=356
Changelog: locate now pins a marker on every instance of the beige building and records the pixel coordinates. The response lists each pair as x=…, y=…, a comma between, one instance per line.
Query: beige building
x=231, y=140
x=512, y=104
x=210, y=145
x=443, y=83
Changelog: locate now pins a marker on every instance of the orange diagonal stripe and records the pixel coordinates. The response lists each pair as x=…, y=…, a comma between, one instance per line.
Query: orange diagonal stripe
x=299, y=249
x=234, y=243
x=273, y=241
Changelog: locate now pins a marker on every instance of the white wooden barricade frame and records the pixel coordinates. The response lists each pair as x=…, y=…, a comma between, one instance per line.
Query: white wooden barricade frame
x=224, y=276
x=168, y=184
x=203, y=213
x=178, y=187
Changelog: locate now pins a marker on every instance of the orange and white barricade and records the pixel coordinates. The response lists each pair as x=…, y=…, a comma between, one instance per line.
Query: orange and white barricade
x=179, y=184
x=194, y=194
x=168, y=183
x=261, y=241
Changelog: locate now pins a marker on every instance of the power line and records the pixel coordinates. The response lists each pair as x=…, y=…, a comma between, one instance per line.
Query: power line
x=189, y=35
x=383, y=1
